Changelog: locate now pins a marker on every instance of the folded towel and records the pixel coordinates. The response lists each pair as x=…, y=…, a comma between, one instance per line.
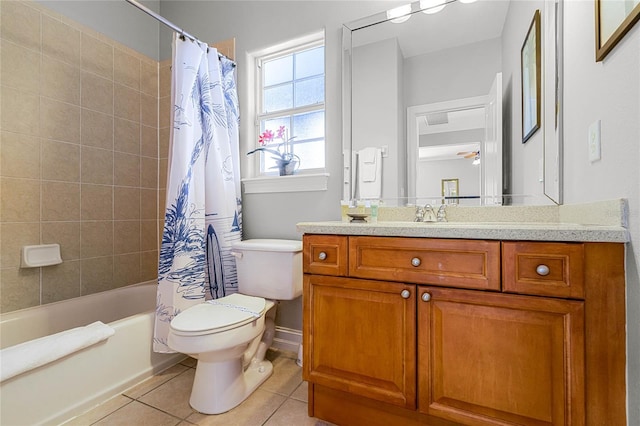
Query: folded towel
x=368, y=164
x=368, y=155
x=26, y=356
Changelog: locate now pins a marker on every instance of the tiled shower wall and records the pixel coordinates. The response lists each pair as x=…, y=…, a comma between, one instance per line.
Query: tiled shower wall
x=79, y=155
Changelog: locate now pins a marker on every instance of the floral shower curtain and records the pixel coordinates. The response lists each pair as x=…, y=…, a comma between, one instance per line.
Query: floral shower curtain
x=203, y=208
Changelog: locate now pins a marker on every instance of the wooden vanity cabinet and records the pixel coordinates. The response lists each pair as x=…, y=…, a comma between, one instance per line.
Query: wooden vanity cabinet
x=382, y=347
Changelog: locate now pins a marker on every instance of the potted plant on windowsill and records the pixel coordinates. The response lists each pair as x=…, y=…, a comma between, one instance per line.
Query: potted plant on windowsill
x=286, y=162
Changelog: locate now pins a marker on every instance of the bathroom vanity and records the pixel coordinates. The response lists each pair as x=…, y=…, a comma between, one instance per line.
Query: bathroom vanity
x=468, y=324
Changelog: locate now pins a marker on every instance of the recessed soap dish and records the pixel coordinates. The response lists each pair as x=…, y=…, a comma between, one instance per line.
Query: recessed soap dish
x=40, y=255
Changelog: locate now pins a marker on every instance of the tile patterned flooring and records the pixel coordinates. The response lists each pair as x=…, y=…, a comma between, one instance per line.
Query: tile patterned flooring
x=164, y=400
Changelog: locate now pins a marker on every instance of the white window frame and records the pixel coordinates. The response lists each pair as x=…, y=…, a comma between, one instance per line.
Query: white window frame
x=305, y=180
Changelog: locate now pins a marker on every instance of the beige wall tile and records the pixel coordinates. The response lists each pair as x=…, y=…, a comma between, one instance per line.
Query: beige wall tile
x=97, y=275
x=14, y=236
x=126, y=269
x=67, y=234
x=163, y=142
x=149, y=78
x=127, y=136
x=20, y=200
x=162, y=173
x=126, y=169
x=164, y=112
x=20, y=67
x=97, y=129
x=96, y=202
x=149, y=235
x=148, y=204
x=20, y=288
x=19, y=155
x=60, y=41
x=165, y=81
x=126, y=69
x=60, y=161
x=162, y=203
x=60, y=201
x=149, y=142
x=60, y=80
x=96, y=166
x=20, y=111
x=20, y=24
x=97, y=93
x=61, y=282
x=97, y=56
x=149, y=173
x=59, y=120
x=96, y=239
x=126, y=103
x=149, y=110
x=148, y=265
x=126, y=203
x=126, y=236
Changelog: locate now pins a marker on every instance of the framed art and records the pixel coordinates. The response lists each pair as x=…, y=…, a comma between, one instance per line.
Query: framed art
x=614, y=18
x=530, y=73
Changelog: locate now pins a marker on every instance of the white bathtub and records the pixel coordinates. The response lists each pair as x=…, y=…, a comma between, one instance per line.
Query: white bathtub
x=58, y=391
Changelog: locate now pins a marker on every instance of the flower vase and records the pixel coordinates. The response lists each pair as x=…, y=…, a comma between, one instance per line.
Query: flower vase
x=287, y=168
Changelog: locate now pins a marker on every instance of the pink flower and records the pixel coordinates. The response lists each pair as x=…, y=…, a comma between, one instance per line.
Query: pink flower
x=281, y=132
x=265, y=137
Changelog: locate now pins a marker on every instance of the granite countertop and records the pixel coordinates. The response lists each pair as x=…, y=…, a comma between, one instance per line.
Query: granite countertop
x=607, y=223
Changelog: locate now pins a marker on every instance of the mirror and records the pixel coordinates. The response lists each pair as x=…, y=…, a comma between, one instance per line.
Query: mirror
x=398, y=76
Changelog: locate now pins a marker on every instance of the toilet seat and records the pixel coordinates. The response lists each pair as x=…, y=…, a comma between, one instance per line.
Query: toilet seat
x=218, y=315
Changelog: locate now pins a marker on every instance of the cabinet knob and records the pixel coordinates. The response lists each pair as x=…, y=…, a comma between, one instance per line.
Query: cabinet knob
x=405, y=294
x=542, y=270
x=322, y=255
x=426, y=297
x=415, y=262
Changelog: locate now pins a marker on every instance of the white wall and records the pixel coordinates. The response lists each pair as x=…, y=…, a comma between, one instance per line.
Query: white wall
x=430, y=175
x=525, y=158
x=462, y=72
x=116, y=19
x=377, y=101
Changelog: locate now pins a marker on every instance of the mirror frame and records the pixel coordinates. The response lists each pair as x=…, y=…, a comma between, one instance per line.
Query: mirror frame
x=553, y=26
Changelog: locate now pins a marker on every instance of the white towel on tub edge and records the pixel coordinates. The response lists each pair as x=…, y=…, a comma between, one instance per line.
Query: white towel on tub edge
x=26, y=356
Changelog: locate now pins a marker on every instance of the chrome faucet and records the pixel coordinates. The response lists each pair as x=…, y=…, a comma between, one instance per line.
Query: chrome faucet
x=441, y=216
x=425, y=214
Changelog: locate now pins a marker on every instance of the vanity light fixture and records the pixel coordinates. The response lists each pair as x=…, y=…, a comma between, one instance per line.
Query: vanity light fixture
x=432, y=6
x=467, y=1
x=399, y=14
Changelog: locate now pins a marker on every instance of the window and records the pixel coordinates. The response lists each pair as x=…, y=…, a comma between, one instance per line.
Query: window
x=290, y=96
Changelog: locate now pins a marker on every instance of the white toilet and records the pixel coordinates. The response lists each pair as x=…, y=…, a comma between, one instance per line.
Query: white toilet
x=230, y=336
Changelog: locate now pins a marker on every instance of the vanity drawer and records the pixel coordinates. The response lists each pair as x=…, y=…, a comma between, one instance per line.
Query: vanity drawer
x=325, y=254
x=544, y=269
x=451, y=263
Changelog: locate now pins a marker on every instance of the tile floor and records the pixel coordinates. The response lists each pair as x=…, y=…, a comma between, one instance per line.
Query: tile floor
x=164, y=400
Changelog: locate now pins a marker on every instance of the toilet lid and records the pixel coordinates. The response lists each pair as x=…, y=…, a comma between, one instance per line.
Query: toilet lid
x=219, y=314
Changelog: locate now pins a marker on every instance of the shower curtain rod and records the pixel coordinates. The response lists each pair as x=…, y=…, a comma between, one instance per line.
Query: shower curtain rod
x=168, y=23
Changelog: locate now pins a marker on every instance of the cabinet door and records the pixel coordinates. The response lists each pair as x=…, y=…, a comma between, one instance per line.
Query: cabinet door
x=490, y=359
x=360, y=337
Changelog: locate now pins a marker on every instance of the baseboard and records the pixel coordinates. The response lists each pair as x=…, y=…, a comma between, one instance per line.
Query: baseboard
x=287, y=339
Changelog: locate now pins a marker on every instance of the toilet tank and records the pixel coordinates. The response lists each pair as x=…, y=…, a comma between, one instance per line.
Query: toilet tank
x=269, y=268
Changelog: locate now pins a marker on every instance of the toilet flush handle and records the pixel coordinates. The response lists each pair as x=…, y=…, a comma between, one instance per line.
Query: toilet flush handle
x=236, y=254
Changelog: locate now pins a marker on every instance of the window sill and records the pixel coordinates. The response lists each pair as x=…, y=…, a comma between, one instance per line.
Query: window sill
x=295, y=183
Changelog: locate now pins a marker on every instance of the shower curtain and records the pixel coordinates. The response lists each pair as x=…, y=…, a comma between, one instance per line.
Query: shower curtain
x=203, y=207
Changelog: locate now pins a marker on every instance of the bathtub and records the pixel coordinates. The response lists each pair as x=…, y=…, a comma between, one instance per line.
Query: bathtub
x=58, y=391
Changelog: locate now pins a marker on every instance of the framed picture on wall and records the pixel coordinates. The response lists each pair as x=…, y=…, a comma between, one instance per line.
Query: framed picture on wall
x=614, y=18
x=530, y=73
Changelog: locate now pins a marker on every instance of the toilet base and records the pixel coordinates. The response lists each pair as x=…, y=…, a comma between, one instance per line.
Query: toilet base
x=220, y=386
